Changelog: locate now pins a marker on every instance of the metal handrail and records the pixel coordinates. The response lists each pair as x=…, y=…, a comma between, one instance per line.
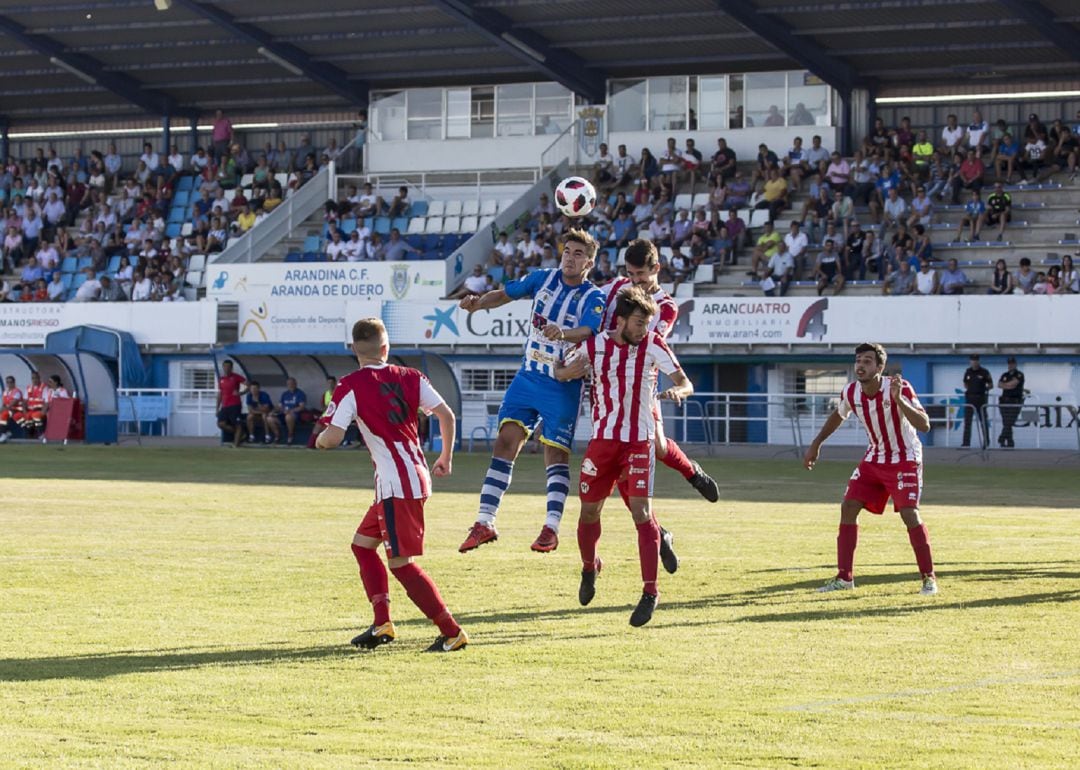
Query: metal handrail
x=569, y=130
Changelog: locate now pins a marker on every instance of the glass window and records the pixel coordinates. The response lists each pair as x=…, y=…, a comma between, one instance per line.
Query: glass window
x=712, y=103
x=735, y=101
x=513, y=110
x=626, y=105
x=553, y=105
x=766, y=99
x=667, y=104
x=808, y=100
x=425, y=113
x=483, y=112
x=458, y=112
x=388, y=116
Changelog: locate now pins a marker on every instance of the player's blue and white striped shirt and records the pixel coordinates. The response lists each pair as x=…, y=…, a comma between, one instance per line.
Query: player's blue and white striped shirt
x=554, y=302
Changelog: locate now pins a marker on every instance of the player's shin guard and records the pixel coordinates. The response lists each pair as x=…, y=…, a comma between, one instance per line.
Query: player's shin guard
x=677, y=459
x=425, y=595
x=558, y=486
x=495, y=485
x=920, y=544
x=648, y=541
x=588, y=535
x=376, y=585
x=624, y=492
x=846, y=541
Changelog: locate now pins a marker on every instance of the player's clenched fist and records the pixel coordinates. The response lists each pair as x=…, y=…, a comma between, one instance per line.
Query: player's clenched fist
x=469, y=303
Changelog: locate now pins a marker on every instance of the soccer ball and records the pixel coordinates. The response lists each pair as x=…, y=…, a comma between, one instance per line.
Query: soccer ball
x=575, y=196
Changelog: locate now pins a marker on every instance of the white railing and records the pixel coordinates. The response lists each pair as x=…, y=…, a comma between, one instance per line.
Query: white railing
x=563, y=148
x=174, y=411
x=423, y=183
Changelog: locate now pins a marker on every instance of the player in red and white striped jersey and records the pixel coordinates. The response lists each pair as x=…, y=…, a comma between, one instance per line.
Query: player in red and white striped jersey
x=891, y=414
x=383, y=400
x=642, y=269
x=624, y=366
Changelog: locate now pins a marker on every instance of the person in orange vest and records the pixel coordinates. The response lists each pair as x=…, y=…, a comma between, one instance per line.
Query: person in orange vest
x=12, y=408
x=34, y=417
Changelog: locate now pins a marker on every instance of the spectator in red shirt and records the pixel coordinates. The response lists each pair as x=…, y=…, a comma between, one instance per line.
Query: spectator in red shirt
x=230, y=385
x=969, y=176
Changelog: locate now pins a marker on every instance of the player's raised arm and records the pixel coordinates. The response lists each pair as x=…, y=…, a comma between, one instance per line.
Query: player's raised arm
x=681, y=388
x=575, y=335
x=448, y=430
x=913, y=412
x=574, y=368
x=834, y=421
x=470, y=303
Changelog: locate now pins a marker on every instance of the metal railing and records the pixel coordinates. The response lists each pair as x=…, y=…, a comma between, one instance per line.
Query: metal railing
x=422, y=183
x=564, y=147
x=140, y=409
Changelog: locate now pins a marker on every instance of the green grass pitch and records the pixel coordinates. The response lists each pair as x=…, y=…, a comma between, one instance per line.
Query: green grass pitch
x=193, y=608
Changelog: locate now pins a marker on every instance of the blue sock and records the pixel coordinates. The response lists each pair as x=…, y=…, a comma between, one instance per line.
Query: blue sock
x=558, y=487
x=495, y=484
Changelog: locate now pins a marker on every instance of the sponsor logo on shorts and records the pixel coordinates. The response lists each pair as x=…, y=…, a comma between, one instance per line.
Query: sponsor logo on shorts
x=639, y=457
x=639, y=470
x=584, y=487
x=855, y=475
x=588, y=468
x=641, y=483
x=912, y=496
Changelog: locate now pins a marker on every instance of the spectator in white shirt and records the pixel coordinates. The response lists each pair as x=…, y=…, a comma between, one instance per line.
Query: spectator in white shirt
x=777, y=276
x=335, y=250
x=951, y=136
x=48, y=257
x=54, y=210
x=354, y=249
x=90, y=288
x=56, y=287
x=141, y=287
x=796, y=243
x=478, y=282
x=149, y=157
x=176, y=158
x=503, y=251
x=976, y=134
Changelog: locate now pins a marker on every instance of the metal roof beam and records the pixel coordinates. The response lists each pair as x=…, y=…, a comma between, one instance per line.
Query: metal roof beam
x=1063, y=36
x=531, y=47
x=835, y=71
x=93, y=71
x=289, y=56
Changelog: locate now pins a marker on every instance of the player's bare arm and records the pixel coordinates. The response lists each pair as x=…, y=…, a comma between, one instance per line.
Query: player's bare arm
x=470, y=303
x=918, y=417
x=573, y=369
x=556, y=332
x=448, y=430
x=681, y=388
x=330, y=438
x=833, y=422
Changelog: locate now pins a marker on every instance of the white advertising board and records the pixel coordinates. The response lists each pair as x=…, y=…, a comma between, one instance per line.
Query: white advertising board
x=151, y=323
x=326, y=281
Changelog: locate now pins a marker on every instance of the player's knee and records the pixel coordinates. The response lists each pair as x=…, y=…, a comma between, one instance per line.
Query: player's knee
x=397, y=562
x=910, y=517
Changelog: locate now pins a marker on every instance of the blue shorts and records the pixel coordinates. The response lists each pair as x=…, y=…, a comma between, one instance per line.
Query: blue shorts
x=533, y=397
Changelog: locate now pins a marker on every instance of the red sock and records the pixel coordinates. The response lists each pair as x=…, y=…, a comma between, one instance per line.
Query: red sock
x=677, y=459
x=587, y=537
x=648, y=544
x=425, y=595
x=373, y=575
x=845, y=550
x=920, y=544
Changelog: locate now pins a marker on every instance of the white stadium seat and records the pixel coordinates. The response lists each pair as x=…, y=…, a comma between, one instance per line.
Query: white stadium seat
x=197, y=262
x=434, y=225
x=470, y=208
x=683, y=201
x=453, y=209
x=436, y=208
x=489, y=207
x=246, y=180
x=469, y=224
x=416, y=226
x=701, y=201
x=451, y=225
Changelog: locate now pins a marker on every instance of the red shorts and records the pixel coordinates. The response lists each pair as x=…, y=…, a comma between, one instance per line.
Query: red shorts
x=872, y=484
x=399, y=523
x=35, y=415
x=608, y=461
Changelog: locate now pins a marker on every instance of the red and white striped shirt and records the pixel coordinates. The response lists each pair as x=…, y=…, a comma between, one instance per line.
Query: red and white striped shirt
x=383, y=400
x=663, y=322
x=623, y=384
x=892, y=438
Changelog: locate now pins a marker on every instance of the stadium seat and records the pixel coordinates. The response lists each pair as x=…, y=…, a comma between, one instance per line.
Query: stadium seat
x=191, y=294
x=186, y=229
x=705, y=274
x=431, y=241
x=453, y=209
x=176, y=216
x=314, y=256
x=197, y=262
x=181, y=198
x=436, y=208
x=347, y=226
x=294, y=256
x=434, y=225
x=416, y=226
x=450, y=242
x=401, y=224
x=757, y=217
x=246, y=180
x=381, y=226
x=489, y=207
x=665, y=252
x=230, y=194
x=485, y=223
x=282, y=179
x=418, y=209
x=506, y=203
x=186, y=184
x=15, y=294
x=85, y=262
x=451, y=224
x=465, y=236
x=114, y=264
x=172, y=230
x=496, y=273
x=77, y=280
x=312, y=243
x=470, y=208
x=469, y=224
x=683, y=201
x=194, y=278
x=644, y=234
x=432, y=255
x=701, y=201
x=69, y=265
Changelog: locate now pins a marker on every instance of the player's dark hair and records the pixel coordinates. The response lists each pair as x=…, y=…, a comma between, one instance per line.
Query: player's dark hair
x=585, y=239
x=876, y=349
x=642, y=253
x=368, y=330
x=225, y=363
x=633, y=299
x=254, y=384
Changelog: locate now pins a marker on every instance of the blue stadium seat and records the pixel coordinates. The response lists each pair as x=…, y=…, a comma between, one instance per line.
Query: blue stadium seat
x=186, y=184
x=85, y=262
x=314, y=256
x=432, y=255
x=176, y=216
x=312, y=243
x=496, y=273
x=70, y=294
x=382, y=225
x=77, y=280
x=401, y=224
x=15, y=294
x=114, y=264
x=431, y=241
x=65, y=280
x=294, y=256
x=347, y=226
x=450, y=241
x=418, y=209
x=69, y=265
x=181, y=198
x=416, y=241
x=172, y=230
x=462, y=237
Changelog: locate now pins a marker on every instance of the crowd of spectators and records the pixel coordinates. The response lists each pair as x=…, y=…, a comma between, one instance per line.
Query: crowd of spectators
x=110, y=214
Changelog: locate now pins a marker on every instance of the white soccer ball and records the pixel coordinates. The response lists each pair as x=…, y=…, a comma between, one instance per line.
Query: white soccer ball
x=575, y=197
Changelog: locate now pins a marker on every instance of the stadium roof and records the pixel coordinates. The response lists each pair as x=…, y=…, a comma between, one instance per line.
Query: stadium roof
x=65, y=60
